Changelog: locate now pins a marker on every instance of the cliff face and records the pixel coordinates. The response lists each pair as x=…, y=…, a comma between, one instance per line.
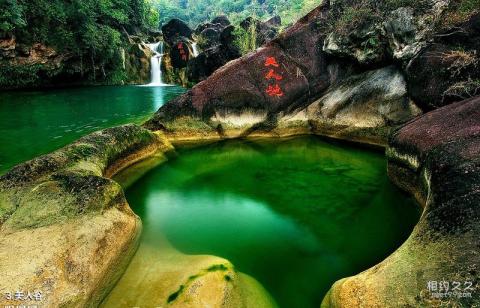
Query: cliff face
x=37, y=65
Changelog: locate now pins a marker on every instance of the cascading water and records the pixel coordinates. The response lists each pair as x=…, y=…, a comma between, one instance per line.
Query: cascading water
x=195, y=50
x=156, y=63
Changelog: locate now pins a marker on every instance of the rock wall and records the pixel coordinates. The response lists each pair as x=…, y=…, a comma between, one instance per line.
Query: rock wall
x=136, y=63
x=448, y=69
x=217, y=47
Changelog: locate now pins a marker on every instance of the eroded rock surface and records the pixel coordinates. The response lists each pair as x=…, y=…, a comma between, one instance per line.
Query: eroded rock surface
x=435, y=158
x=363, y=108
x=164, y=277
x=282, y=89
x=68, y=221
x=372, y=32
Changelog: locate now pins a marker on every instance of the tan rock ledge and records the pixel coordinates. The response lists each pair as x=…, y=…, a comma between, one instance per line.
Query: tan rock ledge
x=66, y=229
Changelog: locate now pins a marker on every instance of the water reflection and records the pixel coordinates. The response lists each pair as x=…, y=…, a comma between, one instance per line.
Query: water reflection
x=295, y=214
x=38, y=122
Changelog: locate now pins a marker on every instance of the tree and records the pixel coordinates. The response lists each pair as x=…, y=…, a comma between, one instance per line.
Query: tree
x=11, y=15
x=199, y=11
x=90, y=30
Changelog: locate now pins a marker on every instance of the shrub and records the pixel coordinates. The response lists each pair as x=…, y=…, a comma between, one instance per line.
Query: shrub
x=463, y=90
x=246, y=40
x=14, y=76
x=347, y=17
x=460, y=11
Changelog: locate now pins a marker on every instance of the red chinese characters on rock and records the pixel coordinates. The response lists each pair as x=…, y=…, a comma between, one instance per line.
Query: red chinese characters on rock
x=271, y=61
x=273, y=89
x=183, y=54
x=272, y=75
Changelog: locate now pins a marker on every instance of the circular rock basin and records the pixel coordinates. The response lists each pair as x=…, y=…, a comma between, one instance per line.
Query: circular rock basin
x=295, y=214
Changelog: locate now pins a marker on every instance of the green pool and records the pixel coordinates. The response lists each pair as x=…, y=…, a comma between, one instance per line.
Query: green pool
x=38, y=122
x=295, y=214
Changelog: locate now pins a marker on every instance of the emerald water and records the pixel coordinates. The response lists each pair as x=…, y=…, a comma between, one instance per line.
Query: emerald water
x=295, y=214
x=37, y=122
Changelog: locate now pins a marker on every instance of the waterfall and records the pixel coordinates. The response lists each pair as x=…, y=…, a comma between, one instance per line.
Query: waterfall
x=195, y=49
x=156, y=64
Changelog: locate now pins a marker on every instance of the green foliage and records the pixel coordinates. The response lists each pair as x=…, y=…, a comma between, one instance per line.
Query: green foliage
x=458, y=12
x=246, y=40
x=469, y=6
x=88, y=30
x=12, y=76
x=348, y=16
x=391, y=5
x=152, y=15
x=11, y=15
x=199, y=11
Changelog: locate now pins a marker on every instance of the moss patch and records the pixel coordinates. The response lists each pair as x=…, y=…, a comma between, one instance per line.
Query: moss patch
x=217, y=267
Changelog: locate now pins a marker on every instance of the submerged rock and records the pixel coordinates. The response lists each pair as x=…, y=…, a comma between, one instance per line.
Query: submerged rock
x=170, y=278
x=436, y=159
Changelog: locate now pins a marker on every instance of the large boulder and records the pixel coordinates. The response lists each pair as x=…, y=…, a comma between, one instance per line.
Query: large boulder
x=436, y=158
x=216, y=40
x=365, y=108
x=209, y=34
x=264, y=31
x=222, y=20
x=180, y=53
x=215, y=56
x=69, y=221
x=372, y=32
x=208, y=61
x=176, y=29
x=281, y=89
